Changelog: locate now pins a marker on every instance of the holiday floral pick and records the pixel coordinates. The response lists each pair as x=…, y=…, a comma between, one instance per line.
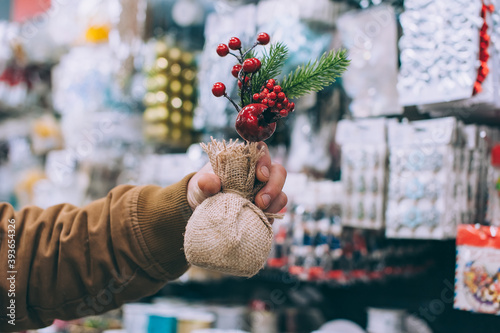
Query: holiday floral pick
x=263, y=101
x=228, y=232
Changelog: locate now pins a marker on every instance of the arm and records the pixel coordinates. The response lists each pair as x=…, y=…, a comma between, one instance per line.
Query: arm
x=73, y=262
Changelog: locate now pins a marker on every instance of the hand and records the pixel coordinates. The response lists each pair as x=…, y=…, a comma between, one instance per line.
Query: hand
x=270, y=198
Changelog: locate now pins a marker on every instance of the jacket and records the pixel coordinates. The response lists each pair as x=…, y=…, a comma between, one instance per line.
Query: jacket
x=66, y=262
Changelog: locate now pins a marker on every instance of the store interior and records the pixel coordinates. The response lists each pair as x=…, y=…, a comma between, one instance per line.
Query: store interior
x=393, y=170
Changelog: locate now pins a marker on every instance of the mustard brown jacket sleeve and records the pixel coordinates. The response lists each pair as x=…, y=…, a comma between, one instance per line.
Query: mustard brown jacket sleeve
x=71, y=262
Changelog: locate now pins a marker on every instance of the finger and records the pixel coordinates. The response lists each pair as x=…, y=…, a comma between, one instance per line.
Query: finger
x=263, y=168
x=273, y=187
x=203, y=184
x=278, y=204
x=209, y=184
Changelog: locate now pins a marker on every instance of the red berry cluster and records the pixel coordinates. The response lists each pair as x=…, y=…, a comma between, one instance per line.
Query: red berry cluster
x=272, y=96
x=245, y=66
x=257, y=121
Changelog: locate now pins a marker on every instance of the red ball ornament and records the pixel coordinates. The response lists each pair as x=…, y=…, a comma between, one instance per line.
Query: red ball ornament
x=250, y=123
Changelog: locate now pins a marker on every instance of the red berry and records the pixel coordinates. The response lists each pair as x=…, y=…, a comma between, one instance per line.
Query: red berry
x=257, y=64
x=271, y=95
x=222, y=50
x=271, y=103
x=281, y=96
x=234, y=43
x=283, y=113
x=249, y=126
x=218, y=89
x=236, y=70
x=256, y=97
x=264, y=101
x=265, y=91
x=263, y=38
x=291, y=107
x=277, y=89
x=279, y=106
x=285, y=102
x=240, y=84
x=250, y=65
x=270, y=85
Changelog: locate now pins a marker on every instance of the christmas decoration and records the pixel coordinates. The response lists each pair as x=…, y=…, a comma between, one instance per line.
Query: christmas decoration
x=228, y=232
x=256, y=121
x=171, y=96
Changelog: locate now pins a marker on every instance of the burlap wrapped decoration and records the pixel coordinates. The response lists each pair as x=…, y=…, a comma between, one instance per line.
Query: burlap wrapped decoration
x=227, y=232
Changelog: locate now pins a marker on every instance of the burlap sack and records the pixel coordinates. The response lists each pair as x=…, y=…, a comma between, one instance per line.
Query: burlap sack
x=227, y=232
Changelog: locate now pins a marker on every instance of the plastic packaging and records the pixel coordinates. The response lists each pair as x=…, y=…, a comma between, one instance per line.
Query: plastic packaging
x=477, y=274
x=370, y=36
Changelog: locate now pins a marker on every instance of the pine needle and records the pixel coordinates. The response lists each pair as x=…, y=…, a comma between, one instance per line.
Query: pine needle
x=317, y=75
x=271, y=65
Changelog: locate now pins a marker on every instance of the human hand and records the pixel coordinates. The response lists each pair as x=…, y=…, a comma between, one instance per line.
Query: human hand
x=270, y=198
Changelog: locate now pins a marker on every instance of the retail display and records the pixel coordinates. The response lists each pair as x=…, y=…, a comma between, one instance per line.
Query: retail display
x=364, y=172
x=477, y=275
x=481, y=174
x=170, y=97
x=427, y=196
x=437, y=63
x=370, y=36
x=312, y=244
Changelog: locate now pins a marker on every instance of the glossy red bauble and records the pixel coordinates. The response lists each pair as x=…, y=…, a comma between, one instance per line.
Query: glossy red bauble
x=250, y=124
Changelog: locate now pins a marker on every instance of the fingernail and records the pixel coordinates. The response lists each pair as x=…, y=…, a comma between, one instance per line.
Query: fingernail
x=265, y=171
x=266, y=200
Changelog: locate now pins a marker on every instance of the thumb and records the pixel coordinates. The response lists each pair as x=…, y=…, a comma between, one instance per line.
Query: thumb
x=201, y=187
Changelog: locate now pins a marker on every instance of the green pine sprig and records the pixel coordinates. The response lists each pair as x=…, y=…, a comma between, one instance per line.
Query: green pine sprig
x=316, y=75
x=271, y=65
